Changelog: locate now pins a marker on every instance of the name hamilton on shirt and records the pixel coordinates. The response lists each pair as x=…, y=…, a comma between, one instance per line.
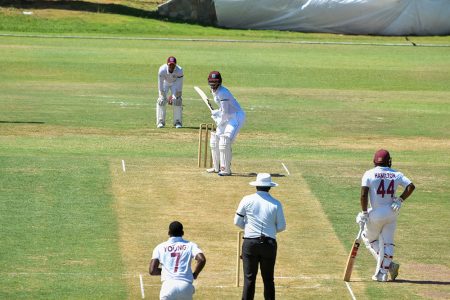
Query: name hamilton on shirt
x=385, y=175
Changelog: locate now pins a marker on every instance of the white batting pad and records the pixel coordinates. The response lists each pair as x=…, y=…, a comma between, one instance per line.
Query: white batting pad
x=160, y=114
x=388, y=255
x=380, y=254
x=372, y=247
x=178, y=101
x=225, y=154
x=215, y=153
x=177, y=114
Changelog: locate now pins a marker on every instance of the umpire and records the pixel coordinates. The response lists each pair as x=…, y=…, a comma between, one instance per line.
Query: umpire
x=261, y=216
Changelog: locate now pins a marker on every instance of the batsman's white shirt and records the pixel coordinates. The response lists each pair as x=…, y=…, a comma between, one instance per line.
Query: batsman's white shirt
x=175, y=256
x=260, y=214
x=167, y=79
x=232, y=116
x=383, y=183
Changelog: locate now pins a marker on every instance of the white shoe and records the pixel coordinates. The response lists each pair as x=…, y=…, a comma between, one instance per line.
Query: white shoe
x=178, y=125
x=222, y=173
x=212, y=170
x=160, y=125
x=380, y=277
x=393, y=270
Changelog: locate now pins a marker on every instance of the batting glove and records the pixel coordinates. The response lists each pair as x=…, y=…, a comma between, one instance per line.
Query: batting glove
x=362, y=217
x=216, y=115
x=397, y=204
x=162, y=100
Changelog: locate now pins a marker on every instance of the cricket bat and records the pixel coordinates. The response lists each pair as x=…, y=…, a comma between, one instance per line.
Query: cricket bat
x=204, y=97
x=352, y=256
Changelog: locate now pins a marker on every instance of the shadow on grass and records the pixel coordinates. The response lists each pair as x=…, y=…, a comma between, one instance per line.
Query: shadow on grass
x=422, y=282
x=252, y=174
x=81, y=6
x=21, y=122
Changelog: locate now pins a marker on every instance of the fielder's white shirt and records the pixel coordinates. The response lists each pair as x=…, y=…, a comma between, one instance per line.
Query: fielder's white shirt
x=228, y=105
x=260, y=214
x=164, y=76
x=383, y=183
x=175, y=255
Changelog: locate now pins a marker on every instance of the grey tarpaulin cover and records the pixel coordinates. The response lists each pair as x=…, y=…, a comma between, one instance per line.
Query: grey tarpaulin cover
x=377, y=17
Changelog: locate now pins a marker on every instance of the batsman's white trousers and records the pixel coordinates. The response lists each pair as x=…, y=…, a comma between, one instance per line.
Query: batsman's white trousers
x=232, y=127
x=176, y=290
x=382, y=221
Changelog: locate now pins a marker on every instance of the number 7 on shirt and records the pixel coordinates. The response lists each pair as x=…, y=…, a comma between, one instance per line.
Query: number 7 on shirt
x=177, y=260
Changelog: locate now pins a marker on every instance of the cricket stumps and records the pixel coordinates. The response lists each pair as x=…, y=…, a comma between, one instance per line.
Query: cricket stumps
x=204, y=155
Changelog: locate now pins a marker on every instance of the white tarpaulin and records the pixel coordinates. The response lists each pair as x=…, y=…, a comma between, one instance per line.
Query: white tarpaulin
x=376, y=17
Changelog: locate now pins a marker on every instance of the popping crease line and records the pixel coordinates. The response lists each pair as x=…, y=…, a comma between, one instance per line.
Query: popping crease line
x=284, y=166
x=350, y=290
x=142, y=285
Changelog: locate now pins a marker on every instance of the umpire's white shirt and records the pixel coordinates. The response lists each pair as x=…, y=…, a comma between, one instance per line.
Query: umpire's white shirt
x=260, y=214
x=175, y=256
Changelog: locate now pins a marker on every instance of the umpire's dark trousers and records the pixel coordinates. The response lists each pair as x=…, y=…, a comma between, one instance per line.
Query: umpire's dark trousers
x=261, y=252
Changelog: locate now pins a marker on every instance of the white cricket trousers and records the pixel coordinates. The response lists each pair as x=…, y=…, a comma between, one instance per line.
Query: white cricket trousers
x=231, y=128
x=382, y=220
x=176, y=290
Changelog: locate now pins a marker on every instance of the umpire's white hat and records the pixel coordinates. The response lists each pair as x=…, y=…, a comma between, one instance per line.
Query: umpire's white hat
x=263, y=179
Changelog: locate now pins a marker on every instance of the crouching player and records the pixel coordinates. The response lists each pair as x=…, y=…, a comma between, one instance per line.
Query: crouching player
x=170, y=77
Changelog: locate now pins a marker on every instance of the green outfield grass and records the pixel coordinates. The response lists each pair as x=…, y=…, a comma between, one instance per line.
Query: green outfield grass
x=75, y=226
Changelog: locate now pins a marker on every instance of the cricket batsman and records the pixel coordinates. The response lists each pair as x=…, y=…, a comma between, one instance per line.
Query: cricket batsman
x=229, y=119
x=380, y=220
x=170, y=77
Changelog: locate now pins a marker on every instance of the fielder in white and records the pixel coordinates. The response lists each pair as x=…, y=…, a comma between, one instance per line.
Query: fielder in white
x=380, y=220
x=170, y=77
x=229, y=119
x=175, y=256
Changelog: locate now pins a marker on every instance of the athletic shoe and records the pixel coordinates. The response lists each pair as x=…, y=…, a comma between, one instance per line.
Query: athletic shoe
x=380, y=277
x=212, y=170
x=393, y=270
x=160, y=125
x=222, y=173
x=178, y=125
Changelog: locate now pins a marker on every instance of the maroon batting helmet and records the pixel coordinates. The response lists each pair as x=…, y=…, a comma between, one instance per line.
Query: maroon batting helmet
x=171, y=60
x=214, y=79
x=382, y=158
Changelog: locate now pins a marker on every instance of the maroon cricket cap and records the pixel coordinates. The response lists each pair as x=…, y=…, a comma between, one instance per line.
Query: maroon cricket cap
x=381, y=157
x=171, y=60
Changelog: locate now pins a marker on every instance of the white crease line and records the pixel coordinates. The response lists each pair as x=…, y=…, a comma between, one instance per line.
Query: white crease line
x=123, y=165
x=142, y=286
x=200, y=286
x=284, y=166
x=350, y=290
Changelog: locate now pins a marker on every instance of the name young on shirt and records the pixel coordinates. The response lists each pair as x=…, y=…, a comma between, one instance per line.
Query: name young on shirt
x=175, y=248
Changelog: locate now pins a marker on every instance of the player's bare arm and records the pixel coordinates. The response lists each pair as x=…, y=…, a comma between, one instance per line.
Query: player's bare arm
x=201, y=261
x=408, y=191
x=154, y=268
x=364, y=198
